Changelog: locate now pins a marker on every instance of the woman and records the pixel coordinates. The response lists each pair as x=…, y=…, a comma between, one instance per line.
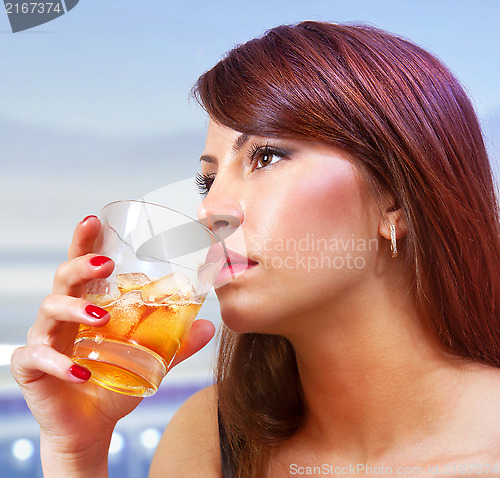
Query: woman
x=363, y=335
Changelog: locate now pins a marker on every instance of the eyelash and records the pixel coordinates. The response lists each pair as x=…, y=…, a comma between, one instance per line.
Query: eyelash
x=204, y=181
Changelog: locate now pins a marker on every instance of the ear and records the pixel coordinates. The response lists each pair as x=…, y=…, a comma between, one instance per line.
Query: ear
x=392, y=215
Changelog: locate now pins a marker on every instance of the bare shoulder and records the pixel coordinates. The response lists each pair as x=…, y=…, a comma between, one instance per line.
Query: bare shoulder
x=190, y=444
x=479, y=412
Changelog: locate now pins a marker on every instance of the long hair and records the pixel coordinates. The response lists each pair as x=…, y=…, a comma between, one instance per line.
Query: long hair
x=407, y=122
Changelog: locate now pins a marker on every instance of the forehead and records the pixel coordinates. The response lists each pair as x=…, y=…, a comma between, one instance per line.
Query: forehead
x=220, y=136
x=222, y=143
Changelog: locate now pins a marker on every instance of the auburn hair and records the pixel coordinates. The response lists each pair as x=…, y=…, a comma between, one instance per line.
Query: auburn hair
x=409, y=125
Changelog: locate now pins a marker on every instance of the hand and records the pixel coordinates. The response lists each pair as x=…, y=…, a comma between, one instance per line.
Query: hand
x=76, y=417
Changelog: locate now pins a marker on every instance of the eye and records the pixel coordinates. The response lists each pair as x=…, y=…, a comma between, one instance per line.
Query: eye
x=264, y=156
x=204, y=182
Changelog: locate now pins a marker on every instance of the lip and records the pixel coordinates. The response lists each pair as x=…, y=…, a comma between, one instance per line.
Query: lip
x=236, y=264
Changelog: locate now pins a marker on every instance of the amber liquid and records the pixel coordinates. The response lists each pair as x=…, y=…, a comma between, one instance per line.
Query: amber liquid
x=135, y=327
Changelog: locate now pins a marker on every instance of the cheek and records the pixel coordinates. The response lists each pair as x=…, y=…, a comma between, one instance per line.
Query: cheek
x=325, y=202
x=327, y=199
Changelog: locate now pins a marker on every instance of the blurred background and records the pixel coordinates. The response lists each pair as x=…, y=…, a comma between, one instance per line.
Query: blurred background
x=94, y=107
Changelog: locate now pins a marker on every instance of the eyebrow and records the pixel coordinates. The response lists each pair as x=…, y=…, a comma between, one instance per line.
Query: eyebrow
x=237, y=145
x=240, y=141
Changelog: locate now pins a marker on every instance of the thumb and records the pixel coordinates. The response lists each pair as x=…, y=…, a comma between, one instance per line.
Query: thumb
x=200, y=333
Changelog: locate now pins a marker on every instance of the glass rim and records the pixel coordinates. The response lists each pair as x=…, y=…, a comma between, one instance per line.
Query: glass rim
x=139, y=201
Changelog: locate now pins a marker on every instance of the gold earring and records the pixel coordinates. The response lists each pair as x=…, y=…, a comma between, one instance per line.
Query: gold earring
x=394, y=245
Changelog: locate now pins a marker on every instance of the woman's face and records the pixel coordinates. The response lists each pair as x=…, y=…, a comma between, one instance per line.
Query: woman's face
x=309, y=228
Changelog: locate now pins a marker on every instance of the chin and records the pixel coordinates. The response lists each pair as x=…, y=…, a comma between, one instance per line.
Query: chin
x=244, y=319
x=238, y=321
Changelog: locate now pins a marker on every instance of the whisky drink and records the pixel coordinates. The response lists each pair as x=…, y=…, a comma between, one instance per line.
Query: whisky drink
x=149, y=320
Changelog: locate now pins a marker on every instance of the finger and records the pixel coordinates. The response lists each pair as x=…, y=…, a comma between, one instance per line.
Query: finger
x=31, y=363
x=57, y=309
x=199, y=335
x=71, y=276
x=84, y=237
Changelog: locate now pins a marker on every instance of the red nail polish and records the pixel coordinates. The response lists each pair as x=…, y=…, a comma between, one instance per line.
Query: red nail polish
x=98, y=261
x=86, y=218
x=95, y=312
x=80, y=372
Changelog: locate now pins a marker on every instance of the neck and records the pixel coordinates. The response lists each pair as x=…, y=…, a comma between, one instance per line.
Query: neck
x=373, y=377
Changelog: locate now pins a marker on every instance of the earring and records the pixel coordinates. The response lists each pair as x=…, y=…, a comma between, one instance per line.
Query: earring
x=394, y=246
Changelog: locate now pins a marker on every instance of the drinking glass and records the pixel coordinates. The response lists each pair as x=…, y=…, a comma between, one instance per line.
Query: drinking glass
x=165, y=264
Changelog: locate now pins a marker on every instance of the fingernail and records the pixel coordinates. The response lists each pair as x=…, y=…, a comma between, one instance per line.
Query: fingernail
x=80, y=372
x=95, y=312
x=98, y=261
x=88, y=217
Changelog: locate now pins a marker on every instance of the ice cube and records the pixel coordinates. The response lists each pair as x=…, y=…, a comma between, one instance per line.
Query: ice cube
x=102, y=300
x=131, y=281
x=164, y=329
x=167, y=286
x=126, y=313
x=185, y=293
x=101, y=292
x=160, y=332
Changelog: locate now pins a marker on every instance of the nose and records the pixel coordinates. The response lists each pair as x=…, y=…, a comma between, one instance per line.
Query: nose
x=221, y=210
